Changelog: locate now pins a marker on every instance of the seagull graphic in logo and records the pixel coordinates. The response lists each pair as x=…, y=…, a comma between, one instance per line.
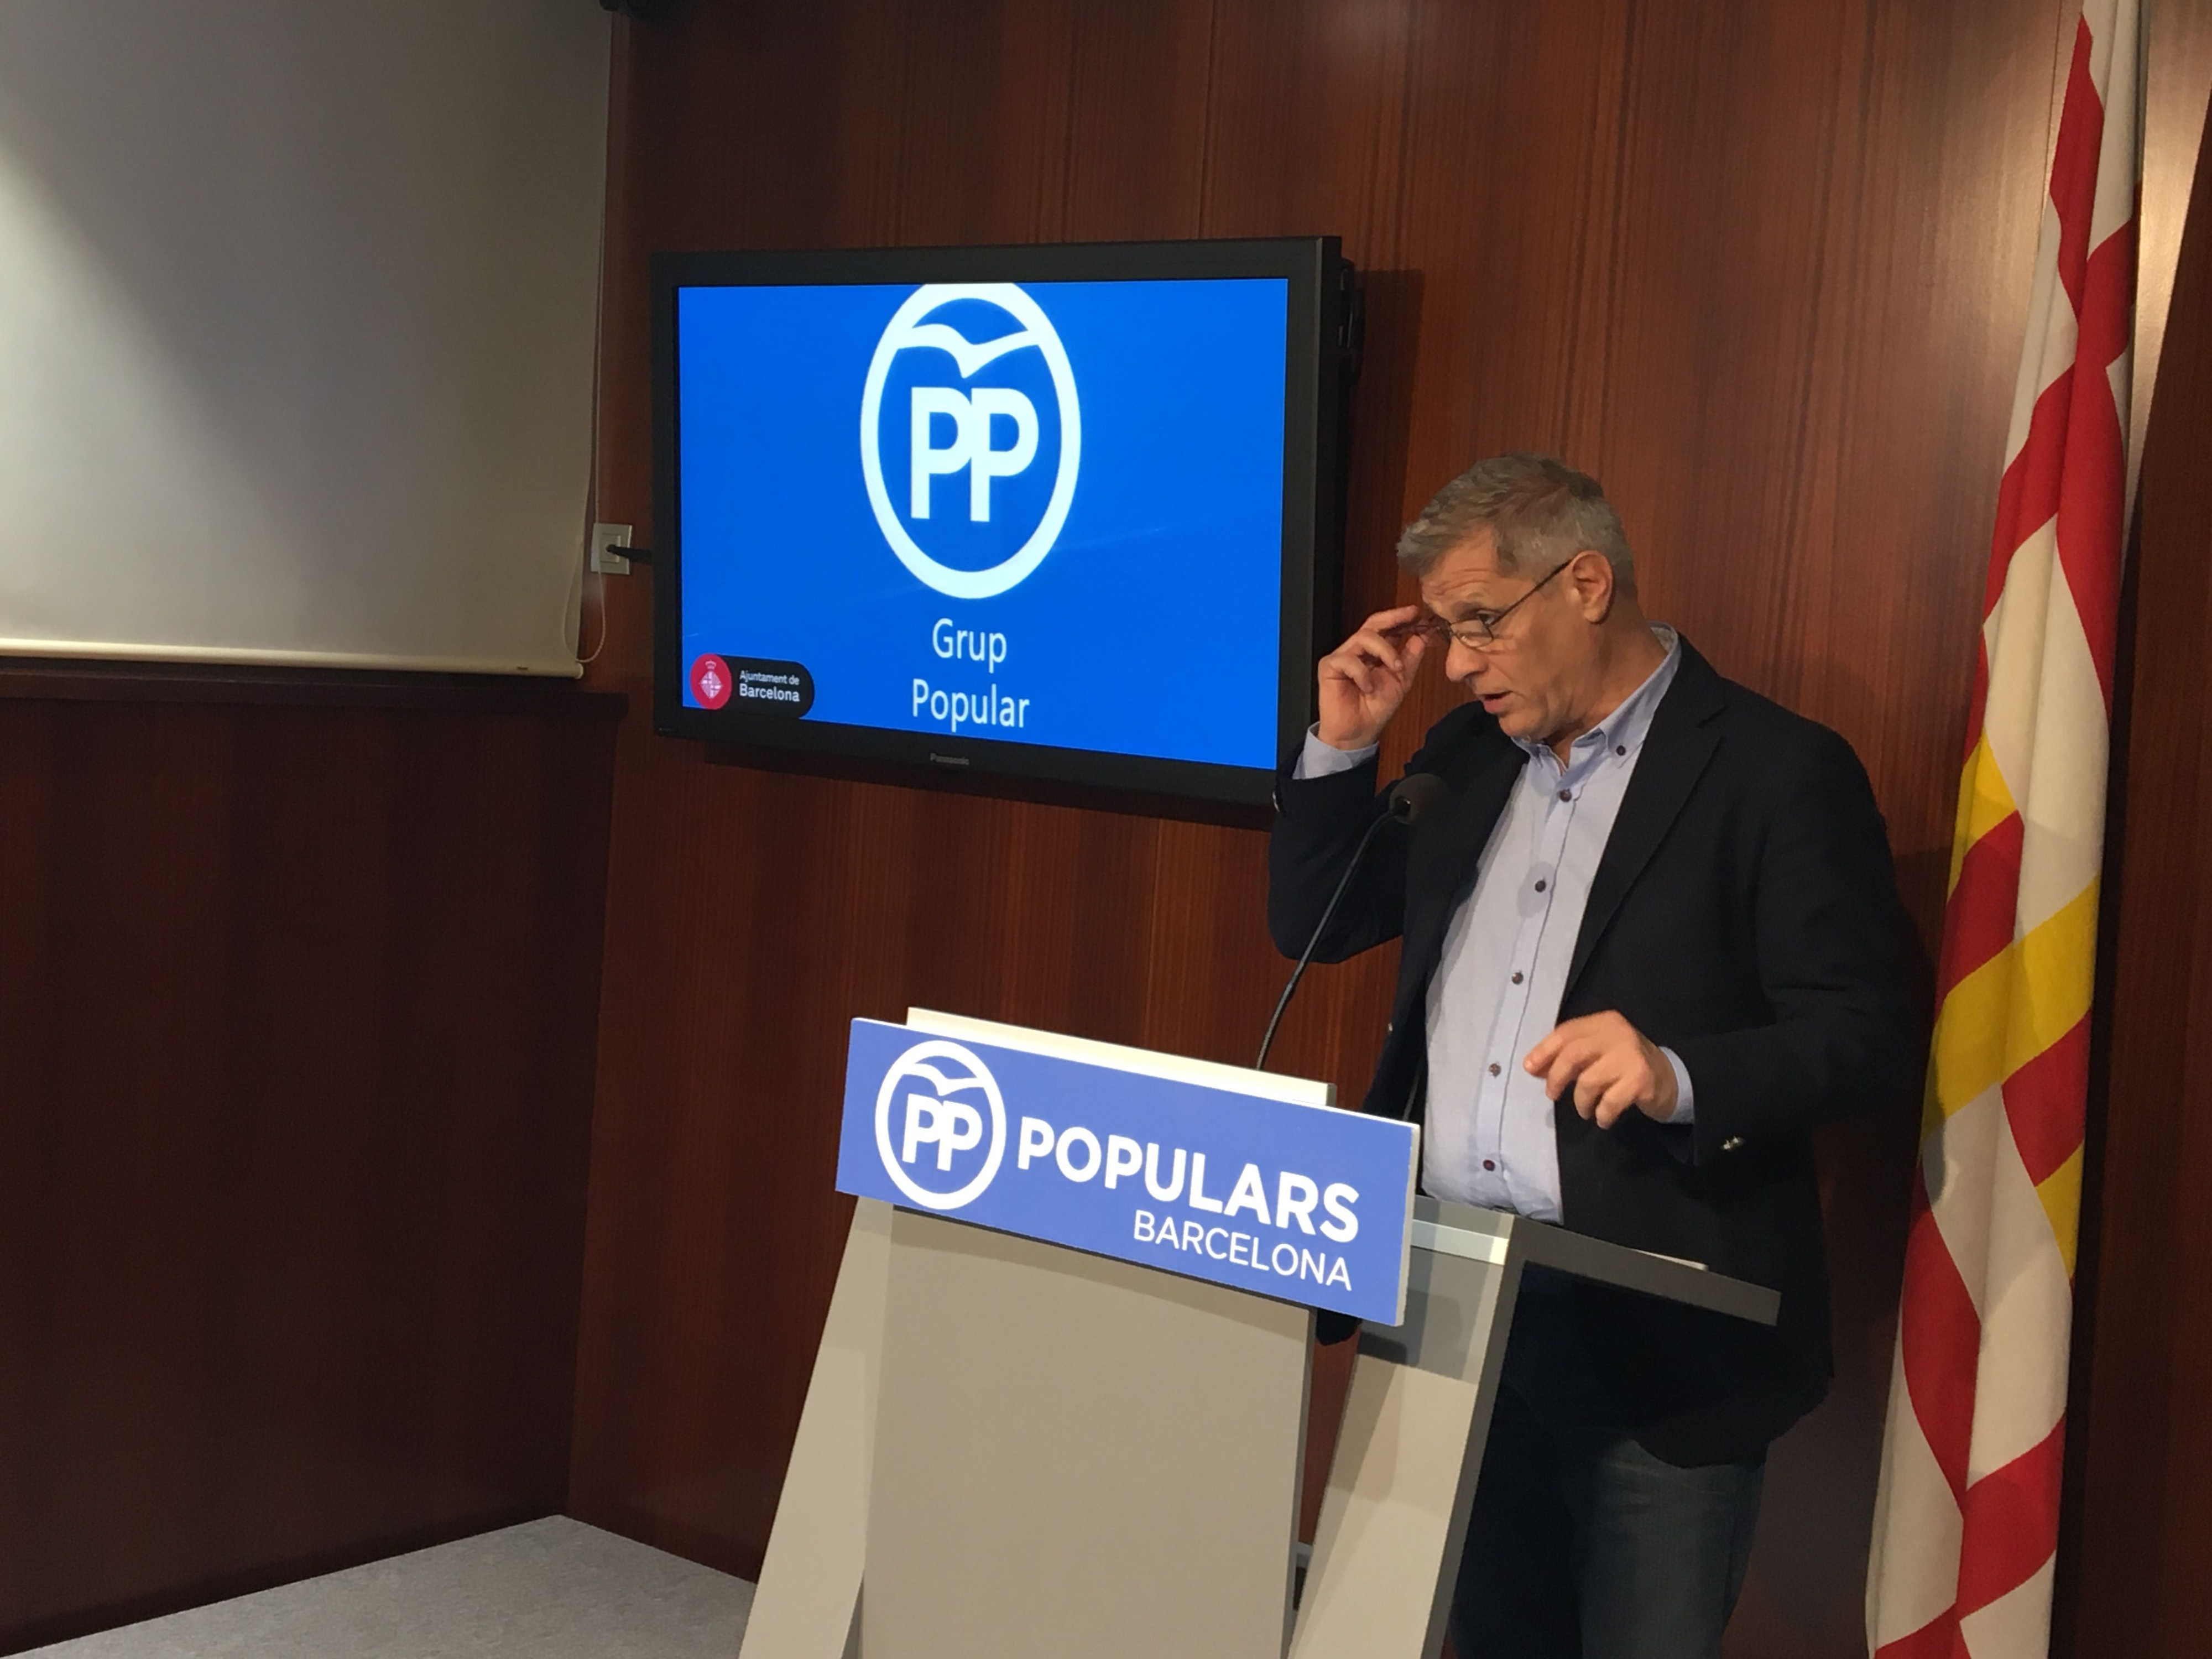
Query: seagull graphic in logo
x=969, y=356
x=945, y=1086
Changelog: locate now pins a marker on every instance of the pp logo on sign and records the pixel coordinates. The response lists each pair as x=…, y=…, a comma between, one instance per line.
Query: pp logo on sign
x=930, y=1117
x=917, y=428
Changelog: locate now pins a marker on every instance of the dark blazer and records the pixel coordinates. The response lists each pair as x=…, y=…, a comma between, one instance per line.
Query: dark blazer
x=1744, y=914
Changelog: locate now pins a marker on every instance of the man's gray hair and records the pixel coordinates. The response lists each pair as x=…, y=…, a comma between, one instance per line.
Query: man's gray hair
x=1540, y=512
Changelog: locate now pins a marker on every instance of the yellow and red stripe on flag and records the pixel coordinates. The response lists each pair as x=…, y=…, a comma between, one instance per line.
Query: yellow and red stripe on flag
x=1966, y=1524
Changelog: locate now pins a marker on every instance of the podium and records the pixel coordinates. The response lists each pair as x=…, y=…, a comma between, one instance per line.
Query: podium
x=1014, y=1447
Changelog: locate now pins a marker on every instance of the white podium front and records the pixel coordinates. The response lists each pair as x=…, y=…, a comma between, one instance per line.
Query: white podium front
x=1012, y=1449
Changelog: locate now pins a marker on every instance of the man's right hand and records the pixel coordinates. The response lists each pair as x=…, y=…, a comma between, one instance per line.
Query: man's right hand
x=1364, y=679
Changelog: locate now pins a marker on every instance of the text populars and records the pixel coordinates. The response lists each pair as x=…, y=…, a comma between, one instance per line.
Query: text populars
x=1077, y=1155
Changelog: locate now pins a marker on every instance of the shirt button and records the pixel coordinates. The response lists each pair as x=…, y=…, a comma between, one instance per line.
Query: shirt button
x=1539, y=888
x=1620, y=748
x=1566, y=794
x=1489, y=1163
x=1493, y=1068
x=1517, y=976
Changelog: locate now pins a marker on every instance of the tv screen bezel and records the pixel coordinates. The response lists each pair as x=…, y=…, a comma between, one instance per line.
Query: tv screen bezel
x=1316, y=343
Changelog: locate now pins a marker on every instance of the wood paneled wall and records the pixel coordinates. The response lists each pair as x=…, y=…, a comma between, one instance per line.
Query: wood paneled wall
x=1762, y=267
x=298, y=979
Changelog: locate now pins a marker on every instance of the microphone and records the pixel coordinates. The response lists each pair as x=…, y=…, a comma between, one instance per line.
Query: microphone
x=1410, y=798
x=1416, y=794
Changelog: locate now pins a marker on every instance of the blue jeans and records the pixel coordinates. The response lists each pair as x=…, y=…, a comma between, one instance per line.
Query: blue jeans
x=1583, y=1545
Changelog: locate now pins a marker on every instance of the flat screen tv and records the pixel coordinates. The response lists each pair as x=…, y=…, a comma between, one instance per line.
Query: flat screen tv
x=1061, y=513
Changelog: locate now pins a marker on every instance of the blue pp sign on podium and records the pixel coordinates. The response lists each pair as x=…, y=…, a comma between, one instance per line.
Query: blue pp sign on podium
x=1305, y=1203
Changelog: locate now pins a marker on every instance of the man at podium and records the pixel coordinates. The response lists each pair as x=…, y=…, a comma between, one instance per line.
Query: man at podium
x=1651, y=941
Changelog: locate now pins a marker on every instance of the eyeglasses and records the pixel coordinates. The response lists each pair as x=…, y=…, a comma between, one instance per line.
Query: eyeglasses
x=1478, y=631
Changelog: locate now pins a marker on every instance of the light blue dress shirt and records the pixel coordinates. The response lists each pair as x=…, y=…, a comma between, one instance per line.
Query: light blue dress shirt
x=1490, y=1137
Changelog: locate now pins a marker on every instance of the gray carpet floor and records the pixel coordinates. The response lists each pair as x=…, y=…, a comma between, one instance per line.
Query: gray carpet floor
x=551, y=1589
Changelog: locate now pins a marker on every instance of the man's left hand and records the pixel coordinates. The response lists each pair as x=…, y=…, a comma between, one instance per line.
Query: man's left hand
x=1609, y=1065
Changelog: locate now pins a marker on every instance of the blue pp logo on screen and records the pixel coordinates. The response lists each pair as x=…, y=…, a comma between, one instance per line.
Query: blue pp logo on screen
x=940, y=1125
x=970, y=436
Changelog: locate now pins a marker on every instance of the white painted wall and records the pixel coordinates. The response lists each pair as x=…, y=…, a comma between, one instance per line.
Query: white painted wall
x=296, y=320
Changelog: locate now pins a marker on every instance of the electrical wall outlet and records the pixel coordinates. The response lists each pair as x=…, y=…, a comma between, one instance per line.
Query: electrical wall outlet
x=605, y=537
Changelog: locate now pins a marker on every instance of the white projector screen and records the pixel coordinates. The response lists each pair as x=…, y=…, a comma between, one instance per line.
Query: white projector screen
x=296, y=329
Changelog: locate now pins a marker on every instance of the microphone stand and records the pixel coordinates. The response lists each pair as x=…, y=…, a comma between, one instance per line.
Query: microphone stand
x=1410, y=797
x=1298, y=972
